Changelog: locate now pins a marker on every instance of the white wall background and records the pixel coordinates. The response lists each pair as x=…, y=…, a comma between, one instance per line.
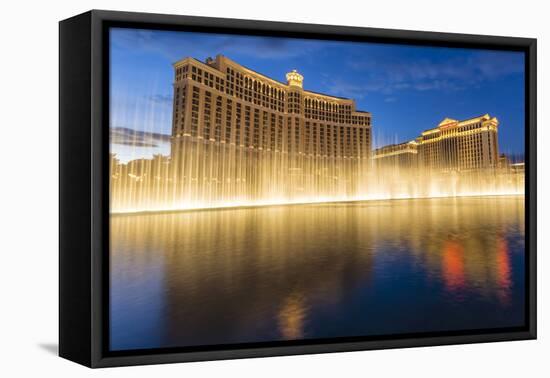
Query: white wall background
x=28, y=189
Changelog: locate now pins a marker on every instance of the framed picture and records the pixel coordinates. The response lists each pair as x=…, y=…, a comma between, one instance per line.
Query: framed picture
x=233, y=188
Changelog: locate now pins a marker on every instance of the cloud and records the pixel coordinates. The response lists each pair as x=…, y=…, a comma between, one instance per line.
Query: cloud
x=263, y=47
x=174, y=45
x=137, y=40
x=344, y=88
x=136, y=138
x=388, y=75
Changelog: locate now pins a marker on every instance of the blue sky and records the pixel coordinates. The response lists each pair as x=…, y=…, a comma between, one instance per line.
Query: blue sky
x=408, y=89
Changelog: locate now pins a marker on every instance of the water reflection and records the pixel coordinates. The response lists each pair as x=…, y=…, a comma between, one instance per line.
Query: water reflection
x=292, y=316
x=453, y=265
x=294, y=272
x=503, y=270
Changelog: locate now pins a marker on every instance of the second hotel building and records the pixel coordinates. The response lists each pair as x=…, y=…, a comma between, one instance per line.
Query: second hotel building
x=238, y=135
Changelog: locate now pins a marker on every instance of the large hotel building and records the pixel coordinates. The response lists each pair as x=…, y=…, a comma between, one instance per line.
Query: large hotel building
x=453, y=145
x=238, y=134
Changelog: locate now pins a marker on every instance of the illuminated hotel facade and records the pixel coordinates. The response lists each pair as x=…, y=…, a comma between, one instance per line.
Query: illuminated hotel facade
x=238, y=135
x=453, y=145
x=401, y=156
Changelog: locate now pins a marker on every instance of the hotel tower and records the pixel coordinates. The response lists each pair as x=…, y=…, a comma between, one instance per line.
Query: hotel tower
x=239, y=137
x=468, y=145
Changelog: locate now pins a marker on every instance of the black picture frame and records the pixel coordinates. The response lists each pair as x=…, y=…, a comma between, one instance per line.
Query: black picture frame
x=84, y=195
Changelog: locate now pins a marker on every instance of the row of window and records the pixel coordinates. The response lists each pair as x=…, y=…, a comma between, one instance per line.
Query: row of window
x=454, y=132
x=465, y=152
x=259, y=128
x=259, y=93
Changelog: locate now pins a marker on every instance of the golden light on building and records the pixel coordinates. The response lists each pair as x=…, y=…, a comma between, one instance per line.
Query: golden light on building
x=240, y=138
x=294, y=79
x=461, y=145
x=453, y=145
x=401, y=156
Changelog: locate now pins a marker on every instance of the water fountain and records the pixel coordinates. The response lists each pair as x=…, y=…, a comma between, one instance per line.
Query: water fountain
x=203, y=174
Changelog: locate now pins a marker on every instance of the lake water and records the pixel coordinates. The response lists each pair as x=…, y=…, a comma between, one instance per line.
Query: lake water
x=316, y=271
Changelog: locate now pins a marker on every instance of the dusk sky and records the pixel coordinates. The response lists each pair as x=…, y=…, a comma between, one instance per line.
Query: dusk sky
x=407, y=89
